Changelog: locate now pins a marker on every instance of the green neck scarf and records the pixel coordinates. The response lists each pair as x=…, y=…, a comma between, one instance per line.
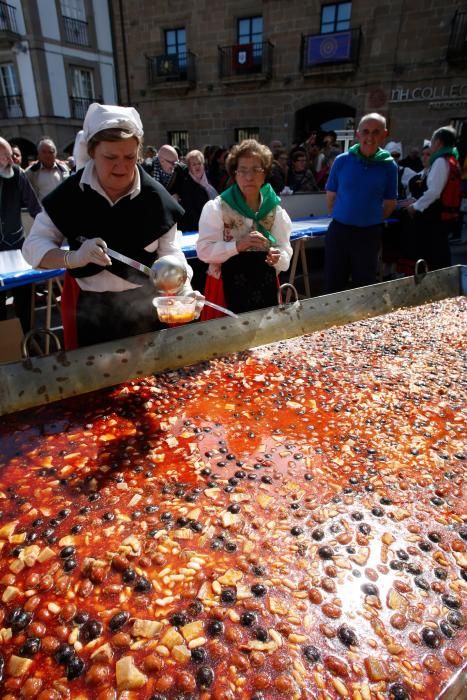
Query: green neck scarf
x=381, y=156
x=236, y=200
x=446, y=151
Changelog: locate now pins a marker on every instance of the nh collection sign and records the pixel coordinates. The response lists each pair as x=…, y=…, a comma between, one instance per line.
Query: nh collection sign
x=445, y=94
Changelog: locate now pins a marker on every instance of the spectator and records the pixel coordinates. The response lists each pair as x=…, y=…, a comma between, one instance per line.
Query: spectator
x=316, y=159
x=413, y=160
x=404, y=174
x=16, y=155
x=301, y=179
x=15, y=192
x=361, y=193
x=217, y=174
x=329, y=142
x=71, y=165
x=113, y=196
x=436, y=213
x=165, y=166
x=244, y=235
x=47, y=172
x=150, y=153
x=323, y=174
x=193, y=190
x=279, y=170
x=417, y=184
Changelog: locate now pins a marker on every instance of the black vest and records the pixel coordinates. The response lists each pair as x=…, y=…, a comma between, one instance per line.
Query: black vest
x=128, y=226
x=11, y=227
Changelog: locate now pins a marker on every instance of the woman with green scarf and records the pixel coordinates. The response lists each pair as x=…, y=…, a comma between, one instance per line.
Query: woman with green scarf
x=244, y=235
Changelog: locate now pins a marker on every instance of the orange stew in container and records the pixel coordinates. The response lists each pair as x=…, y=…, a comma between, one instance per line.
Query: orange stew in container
x=282, y=523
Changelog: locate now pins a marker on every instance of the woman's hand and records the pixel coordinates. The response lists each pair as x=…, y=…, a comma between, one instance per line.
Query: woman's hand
x=253, y=239
x=91, y=251
x=273, y=256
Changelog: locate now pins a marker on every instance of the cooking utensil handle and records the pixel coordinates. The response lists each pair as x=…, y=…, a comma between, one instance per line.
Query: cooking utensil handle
x=220, y=308
x=123, y=258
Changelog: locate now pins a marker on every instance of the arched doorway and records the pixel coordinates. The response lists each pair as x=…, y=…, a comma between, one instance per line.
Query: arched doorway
x=323, y=116
x=27, y=148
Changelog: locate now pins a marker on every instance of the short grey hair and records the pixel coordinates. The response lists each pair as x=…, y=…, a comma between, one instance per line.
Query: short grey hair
x=375, y=116
x=46, y=142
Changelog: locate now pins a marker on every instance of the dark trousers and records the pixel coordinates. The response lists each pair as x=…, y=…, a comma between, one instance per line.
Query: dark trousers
x=22, y=298
x=351, y=250
x=104, y=316
x=433, y=240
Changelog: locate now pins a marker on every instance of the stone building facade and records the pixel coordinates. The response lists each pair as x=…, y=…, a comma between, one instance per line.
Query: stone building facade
x=56, y=57
x=211, y=73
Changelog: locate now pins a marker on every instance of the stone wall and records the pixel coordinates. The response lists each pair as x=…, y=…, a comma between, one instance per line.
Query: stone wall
x=403, y=46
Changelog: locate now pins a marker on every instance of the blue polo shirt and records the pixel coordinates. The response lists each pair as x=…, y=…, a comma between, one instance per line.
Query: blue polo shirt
x=360, y=189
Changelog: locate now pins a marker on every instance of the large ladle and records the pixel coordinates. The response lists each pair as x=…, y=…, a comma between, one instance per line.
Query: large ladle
x=167, y=274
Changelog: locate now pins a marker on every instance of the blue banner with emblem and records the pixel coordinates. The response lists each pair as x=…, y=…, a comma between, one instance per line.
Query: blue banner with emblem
x=329, y=47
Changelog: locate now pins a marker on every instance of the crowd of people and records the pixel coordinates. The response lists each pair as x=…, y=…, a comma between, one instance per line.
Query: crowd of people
x=136, y=202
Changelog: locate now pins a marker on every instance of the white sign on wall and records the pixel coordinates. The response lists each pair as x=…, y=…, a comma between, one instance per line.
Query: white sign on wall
x=426, y=93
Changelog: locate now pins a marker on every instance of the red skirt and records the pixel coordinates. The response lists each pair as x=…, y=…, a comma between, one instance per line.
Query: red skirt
x=213, y=291
x=70, y=294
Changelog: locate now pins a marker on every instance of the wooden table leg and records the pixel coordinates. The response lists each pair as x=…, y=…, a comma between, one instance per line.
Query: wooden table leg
x=48, y=314
x=306, y=280
x=297, y=247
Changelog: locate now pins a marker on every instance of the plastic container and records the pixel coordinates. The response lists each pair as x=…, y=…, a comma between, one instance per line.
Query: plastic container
x=175, y=310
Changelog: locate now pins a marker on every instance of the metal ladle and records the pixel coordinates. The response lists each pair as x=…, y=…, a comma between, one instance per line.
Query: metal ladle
x=167, y=274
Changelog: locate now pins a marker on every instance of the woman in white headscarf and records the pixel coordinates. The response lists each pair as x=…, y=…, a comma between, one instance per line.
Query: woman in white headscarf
x=110, y=201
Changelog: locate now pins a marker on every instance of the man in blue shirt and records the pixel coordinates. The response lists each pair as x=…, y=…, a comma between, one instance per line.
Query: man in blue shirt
x=361, y=193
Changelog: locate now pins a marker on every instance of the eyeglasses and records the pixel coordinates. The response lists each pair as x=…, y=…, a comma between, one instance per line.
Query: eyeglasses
x=244, y=172
x=173, y=163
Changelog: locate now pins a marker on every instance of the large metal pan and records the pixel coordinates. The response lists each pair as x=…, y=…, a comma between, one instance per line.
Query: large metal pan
x=41, y=380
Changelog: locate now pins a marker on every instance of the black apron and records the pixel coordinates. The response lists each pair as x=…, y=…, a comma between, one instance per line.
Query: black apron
x=249, y=282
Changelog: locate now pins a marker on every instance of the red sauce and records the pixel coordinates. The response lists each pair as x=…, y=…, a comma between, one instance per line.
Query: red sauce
x=283, y=523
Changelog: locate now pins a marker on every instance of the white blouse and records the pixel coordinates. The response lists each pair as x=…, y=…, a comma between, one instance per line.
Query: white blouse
x=220, y=227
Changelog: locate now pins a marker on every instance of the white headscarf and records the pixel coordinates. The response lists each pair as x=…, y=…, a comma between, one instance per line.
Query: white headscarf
x=394, y=147
x=100, y=117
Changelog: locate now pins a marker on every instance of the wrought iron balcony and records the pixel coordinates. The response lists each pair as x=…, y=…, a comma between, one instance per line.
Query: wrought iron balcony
x=336, y=49
x=79, y=105
x=76, y=31
x=457, y=47
x=11, y=107
x=8, y=26
x=171, y=68
x=244, y=60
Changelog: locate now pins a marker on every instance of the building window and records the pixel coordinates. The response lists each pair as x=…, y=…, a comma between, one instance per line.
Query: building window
x=250, y=30
x=8, y=17
x=175, y=45
x=336, y=17
x=82, y=91
x=11, y=104
x=246, y=132
x=180, y=139
x=250, y=35
x=74, y=22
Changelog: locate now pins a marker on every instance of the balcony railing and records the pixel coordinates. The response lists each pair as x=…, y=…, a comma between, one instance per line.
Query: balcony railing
x=457, y=47
x=173, y=67
x=330, y=49
x=11, y=107
x=79, y=106
x=8, y=18
x=76, y=31
x=246, y=60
